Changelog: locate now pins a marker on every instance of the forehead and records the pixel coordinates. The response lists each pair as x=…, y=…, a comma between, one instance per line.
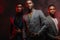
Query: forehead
x=51, y=7
x=19, y=5
x=29, y=1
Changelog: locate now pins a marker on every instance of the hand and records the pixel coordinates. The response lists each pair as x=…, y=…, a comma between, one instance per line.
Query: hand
x=58, y=37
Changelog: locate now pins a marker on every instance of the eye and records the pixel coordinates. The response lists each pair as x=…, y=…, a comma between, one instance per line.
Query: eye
x=51, y=9
x=29, y=3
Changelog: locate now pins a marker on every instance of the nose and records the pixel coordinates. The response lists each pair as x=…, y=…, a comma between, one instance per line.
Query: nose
x=19, y=8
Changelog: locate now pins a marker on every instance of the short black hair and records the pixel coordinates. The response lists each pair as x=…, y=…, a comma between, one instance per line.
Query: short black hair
x=51, y=5
x=19, y=3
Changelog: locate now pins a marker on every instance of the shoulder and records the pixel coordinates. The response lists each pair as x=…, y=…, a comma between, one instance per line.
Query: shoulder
x=37, y=10
x=40, y=12
x=48, y=17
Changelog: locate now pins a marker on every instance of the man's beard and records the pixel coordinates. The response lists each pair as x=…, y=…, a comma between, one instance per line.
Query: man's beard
x=19, y=13
x=52, y=15
x=29, y=10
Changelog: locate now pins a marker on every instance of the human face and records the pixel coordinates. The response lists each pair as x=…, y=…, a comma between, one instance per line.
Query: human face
x=52, y=10
x=19, y=8
x=29, y=4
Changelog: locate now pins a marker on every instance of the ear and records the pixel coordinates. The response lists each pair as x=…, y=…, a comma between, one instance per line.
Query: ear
x=48, y=10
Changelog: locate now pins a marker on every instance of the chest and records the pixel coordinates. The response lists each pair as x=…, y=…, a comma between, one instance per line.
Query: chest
x=32, y=20
x=55, y=21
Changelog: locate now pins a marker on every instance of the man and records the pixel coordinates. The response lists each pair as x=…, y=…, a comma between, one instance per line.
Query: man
x=18, y=22
x=33, y=20
x=52, y=29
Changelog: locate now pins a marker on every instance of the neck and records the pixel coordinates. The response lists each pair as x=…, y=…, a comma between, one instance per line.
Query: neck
x=30, y=10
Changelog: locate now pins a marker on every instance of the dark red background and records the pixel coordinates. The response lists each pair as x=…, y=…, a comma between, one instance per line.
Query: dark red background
x=7, y=9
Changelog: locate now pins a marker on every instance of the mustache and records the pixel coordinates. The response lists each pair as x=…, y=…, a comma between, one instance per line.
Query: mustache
x=29, y=10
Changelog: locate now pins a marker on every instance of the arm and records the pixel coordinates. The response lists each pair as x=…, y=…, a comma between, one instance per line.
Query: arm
x=43, y=22
x=43, y=28
x=24, y=29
